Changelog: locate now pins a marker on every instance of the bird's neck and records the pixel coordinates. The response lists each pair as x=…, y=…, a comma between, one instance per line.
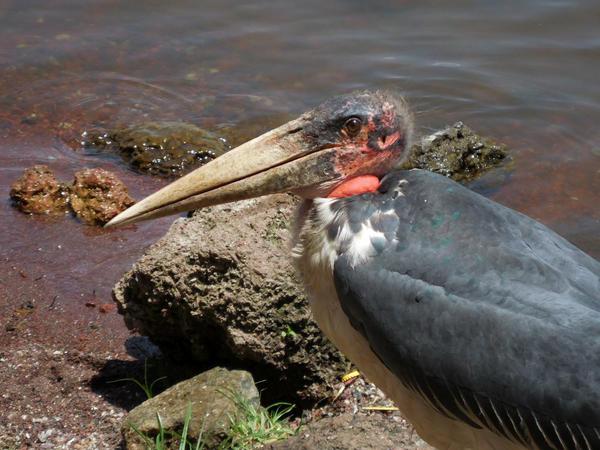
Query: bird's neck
x=312, y=249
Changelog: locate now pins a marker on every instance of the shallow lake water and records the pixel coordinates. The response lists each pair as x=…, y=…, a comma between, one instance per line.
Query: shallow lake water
x=522, y=72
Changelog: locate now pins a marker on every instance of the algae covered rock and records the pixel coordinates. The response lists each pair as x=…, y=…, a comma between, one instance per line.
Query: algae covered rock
x=213, y=397
x=38, y=192
x=220, y=288
x=456, y=152
x=160, y=148
x=97, y=196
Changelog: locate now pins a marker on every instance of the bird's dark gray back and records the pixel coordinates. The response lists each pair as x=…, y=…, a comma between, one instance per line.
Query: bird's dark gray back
x=476, y=295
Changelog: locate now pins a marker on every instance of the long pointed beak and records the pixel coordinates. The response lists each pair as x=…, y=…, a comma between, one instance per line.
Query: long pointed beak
x=277, y=161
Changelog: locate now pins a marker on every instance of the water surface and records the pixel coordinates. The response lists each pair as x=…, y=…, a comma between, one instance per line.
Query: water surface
x=523, y=72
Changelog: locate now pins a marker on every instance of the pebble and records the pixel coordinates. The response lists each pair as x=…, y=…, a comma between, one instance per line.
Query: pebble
x=44, y=435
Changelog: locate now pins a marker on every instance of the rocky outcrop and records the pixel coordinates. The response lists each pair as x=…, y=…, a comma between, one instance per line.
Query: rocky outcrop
x=214, y=399
x=219, y=288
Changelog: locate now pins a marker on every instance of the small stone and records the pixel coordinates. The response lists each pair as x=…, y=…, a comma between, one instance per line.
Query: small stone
x=30, y=119
x=38, y=192
x=97, y=196
x=44, y=435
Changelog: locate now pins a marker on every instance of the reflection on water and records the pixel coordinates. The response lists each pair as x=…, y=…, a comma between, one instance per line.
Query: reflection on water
x=524, y=73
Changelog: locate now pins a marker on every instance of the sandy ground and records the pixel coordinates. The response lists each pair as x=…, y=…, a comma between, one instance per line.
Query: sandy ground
x=55, y=370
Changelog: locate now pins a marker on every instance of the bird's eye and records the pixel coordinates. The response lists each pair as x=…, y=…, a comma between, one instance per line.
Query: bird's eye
x=353, y=126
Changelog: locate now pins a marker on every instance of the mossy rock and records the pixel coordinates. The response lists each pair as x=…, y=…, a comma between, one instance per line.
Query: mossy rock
x=97, y=196
x=456, y=152
x=37, y=191
x=168, y=149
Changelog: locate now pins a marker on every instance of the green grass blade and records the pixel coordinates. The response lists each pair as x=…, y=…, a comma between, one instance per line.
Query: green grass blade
x=183, y=443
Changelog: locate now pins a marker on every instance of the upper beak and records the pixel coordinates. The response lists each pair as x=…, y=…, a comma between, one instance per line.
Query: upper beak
x=278, y=161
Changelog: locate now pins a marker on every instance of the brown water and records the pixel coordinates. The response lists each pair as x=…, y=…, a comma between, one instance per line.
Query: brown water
x=523, y=72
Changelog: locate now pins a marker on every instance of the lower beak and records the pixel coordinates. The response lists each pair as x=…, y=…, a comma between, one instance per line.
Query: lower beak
x=278, y=161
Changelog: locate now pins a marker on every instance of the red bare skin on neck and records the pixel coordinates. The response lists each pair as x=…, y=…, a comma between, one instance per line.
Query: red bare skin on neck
x=355, y=186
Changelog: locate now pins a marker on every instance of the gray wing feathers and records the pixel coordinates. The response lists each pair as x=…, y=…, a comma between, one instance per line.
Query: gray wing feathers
x=488, y=315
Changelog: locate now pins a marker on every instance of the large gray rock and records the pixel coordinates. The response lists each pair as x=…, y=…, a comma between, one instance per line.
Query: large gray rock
x=219, y=288
x=214, y=398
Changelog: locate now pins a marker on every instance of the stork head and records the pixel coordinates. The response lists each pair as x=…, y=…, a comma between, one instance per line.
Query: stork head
x=340, y=148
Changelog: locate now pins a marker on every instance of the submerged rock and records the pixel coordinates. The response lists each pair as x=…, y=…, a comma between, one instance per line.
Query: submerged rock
x=97, y=196
x=160, y=148
x=214, y=397
x=456, y=152
x=38, y=192
x=220, y=288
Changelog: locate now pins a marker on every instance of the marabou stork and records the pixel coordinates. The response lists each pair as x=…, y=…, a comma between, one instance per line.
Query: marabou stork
x=480, y=323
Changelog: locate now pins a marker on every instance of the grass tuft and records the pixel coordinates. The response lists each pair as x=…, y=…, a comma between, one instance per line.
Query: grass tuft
x=254, y=425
